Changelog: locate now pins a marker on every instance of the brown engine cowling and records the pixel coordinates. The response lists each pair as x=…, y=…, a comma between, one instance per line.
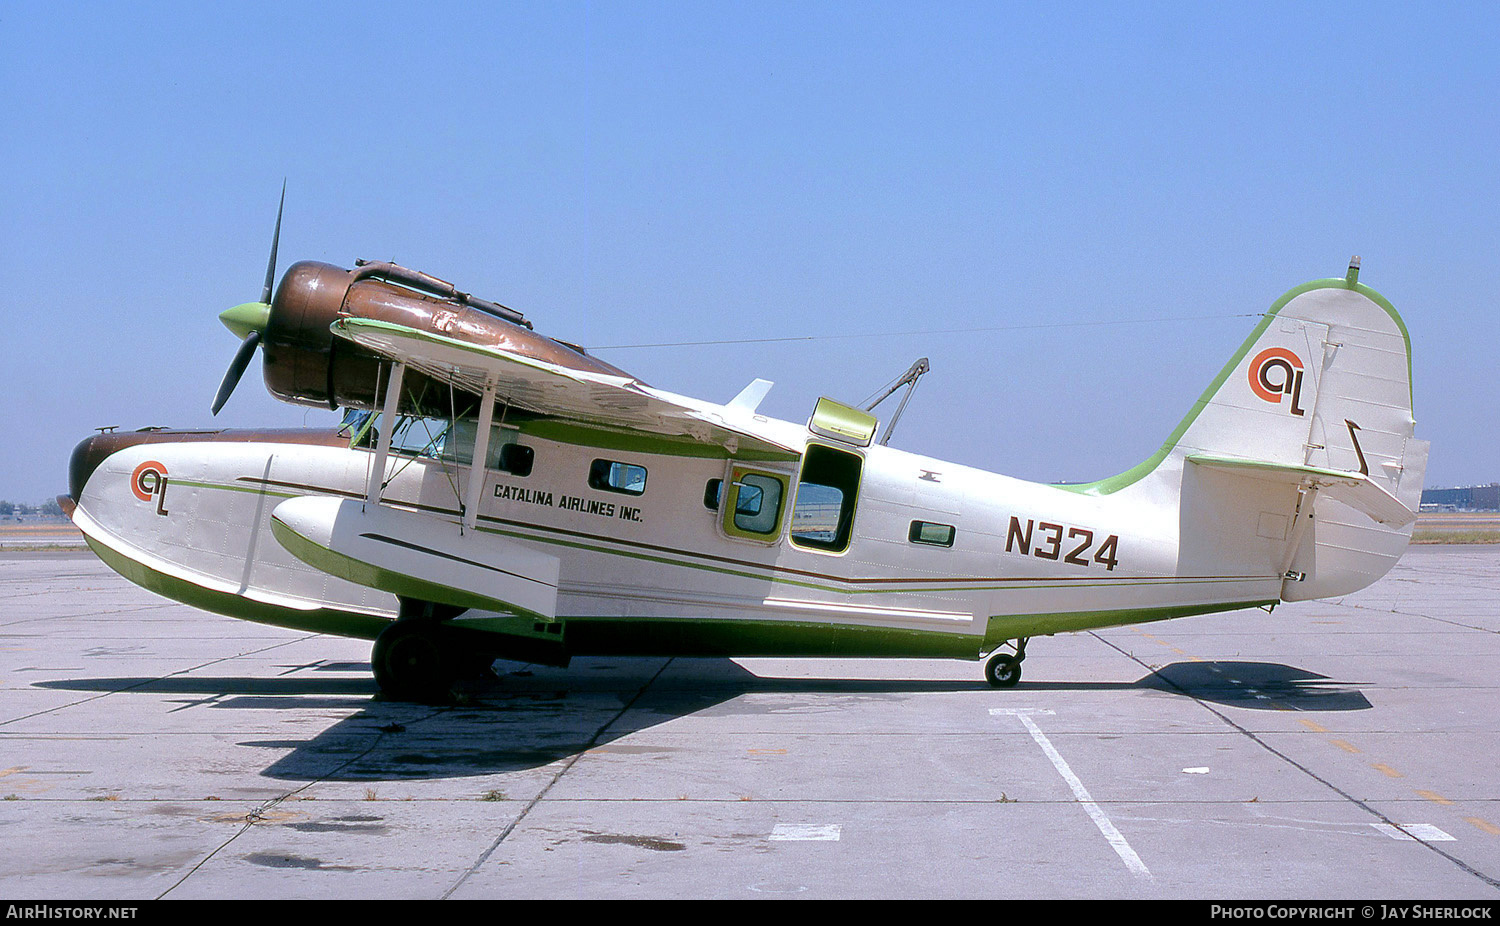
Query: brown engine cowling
x=305, y=363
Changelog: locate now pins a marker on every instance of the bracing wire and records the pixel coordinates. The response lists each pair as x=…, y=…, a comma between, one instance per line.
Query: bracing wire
x=924, y=331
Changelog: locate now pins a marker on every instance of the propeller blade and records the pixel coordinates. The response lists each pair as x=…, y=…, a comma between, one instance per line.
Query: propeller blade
x=236, y=369
x=265, y=291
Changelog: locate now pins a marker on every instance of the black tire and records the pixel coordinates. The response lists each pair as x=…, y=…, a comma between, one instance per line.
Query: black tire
x=1002, y=671
x=411, y=664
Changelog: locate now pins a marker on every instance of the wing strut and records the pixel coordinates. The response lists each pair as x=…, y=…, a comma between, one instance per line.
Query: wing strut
x=481, y=457
x=383, y=445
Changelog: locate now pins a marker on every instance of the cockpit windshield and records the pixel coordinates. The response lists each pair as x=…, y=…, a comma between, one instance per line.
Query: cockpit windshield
x=413, y=436
x=429, y=438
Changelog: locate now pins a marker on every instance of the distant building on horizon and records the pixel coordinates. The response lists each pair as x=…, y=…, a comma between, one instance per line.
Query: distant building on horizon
x=1464, y=498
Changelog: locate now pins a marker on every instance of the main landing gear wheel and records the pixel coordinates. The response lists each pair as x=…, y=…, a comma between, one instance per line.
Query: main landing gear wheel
x=411, y=663
x=1004, y=669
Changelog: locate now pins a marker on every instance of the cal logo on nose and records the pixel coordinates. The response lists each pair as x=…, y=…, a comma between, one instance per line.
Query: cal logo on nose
x=148, y=480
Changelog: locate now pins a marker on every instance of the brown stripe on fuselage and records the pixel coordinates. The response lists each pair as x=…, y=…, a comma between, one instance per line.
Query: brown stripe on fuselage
x=92, y=451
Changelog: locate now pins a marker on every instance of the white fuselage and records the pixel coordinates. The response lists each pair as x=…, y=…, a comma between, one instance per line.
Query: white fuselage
x=991, y=558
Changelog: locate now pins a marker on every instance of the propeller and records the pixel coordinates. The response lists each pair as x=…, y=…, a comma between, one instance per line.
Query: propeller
x=249, y=320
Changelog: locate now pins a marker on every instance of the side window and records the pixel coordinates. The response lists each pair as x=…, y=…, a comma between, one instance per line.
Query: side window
x=426, y=437
x=458, y=443
x=712, y=493
x=516, y=459
x=751, y=503
x=757, y=505
x=823, y=516
x=609, y=476
x=937, y=535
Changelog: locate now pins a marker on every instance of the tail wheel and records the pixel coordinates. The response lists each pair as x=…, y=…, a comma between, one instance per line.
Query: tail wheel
x=1003, y=671
x=411, y=663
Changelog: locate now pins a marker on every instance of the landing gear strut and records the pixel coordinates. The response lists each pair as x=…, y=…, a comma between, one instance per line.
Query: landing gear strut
x=1004, y=669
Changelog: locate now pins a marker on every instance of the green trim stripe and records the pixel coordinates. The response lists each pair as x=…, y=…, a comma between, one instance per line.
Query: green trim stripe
x=740, y=637
x=386, y=580
x=668, y=636
x=568, y=432
x=702, y=637
x=997, y=583
x=1003, y=627
x=322, y=620
x=780, y=575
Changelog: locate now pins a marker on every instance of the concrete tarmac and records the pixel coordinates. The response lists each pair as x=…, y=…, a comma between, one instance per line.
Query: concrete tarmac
x=1329, y=750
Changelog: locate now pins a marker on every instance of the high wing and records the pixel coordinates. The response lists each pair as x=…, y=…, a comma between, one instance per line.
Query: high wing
x=593, y=399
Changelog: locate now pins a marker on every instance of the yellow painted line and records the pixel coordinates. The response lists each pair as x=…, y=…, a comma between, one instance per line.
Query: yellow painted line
x=1485, y=825
x=1166, y=644
x=1435, y=797
x=1316, y=728
x=766, y=752
x=1386, y=770
x=1347, y=747
x=13, y=769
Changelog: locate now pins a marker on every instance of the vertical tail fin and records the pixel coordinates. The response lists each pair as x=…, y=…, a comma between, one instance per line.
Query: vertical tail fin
x=1313, y=466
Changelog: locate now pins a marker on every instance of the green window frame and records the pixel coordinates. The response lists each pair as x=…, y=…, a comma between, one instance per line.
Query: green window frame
x=754, y=502
x=827, y=493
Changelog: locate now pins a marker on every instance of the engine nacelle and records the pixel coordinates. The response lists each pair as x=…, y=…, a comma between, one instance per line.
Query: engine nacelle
x=306, y=364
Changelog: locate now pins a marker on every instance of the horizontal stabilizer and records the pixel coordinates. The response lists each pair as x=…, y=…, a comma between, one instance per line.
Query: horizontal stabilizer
x=1353, y=489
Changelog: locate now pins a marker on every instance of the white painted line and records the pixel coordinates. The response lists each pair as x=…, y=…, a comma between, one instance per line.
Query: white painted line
x=1112, y=835
x=1409, y=832
x=1201, y=770
x=807, y=832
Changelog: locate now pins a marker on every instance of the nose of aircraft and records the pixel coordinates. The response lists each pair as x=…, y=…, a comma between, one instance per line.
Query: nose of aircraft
x=86, y=458
x=92, y=451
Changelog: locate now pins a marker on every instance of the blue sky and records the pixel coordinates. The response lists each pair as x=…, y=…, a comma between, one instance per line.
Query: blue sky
x=624, y=173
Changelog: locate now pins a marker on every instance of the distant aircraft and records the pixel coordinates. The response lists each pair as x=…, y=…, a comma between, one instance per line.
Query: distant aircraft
x=606, y=516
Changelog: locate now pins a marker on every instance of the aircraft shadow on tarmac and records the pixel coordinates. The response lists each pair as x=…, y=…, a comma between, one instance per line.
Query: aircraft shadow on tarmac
x=1257, y=685
x=524, y=720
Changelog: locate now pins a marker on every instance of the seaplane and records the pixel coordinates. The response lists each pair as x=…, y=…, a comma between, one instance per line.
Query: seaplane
x=494, y=493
